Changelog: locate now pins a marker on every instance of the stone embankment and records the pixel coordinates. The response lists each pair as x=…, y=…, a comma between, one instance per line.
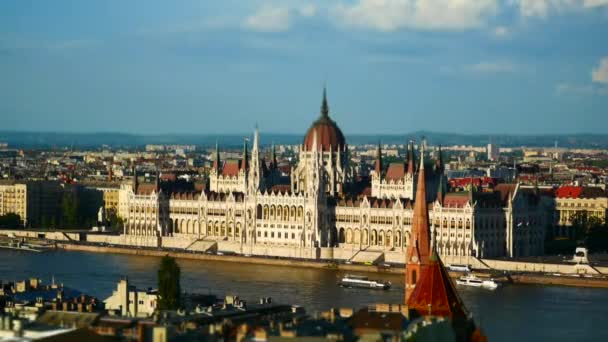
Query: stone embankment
x=322, y=264
x=521, y=278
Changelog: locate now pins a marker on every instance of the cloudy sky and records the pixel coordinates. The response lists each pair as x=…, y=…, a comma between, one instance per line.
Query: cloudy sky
x=391, y=66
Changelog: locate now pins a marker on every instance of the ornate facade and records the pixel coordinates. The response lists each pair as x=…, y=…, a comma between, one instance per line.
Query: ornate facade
x=247, y=206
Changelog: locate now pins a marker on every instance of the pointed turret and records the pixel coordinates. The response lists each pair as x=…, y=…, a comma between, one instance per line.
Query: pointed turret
x=418, y=249
x=135, y=182
x=324, y=105
x=245, y=161
x=255, y=168
x=441, y=189
x=216, y=161
x=410, y=158
x=378, y=167
x=157, y=181
x=439, y=168
x=274, y=157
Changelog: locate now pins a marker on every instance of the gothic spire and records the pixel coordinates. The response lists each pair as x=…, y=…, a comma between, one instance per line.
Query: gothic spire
x=410, y=158
x=274, y=156
x=378, y=167
x=439, y=161
x=216, y=161
x=245, y=160
x=324, y=105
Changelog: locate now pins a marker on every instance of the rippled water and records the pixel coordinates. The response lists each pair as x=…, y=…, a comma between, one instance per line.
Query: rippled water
x=509, y=313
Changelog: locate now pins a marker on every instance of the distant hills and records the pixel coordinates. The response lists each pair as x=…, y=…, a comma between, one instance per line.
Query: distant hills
x=92, y=140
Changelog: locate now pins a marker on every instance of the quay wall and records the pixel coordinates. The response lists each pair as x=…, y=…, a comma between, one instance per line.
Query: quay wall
x=226, y=258
x=562, y=281
x=192, y=244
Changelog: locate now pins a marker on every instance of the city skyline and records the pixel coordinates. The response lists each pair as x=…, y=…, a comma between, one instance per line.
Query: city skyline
x=483, y=67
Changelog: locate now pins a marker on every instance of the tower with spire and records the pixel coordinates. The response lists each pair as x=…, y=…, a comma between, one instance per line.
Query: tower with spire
x=418, y=249
x=395, y=180
x=255, y=167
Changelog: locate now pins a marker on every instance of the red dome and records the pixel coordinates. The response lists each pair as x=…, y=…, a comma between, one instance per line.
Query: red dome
x=329, y=135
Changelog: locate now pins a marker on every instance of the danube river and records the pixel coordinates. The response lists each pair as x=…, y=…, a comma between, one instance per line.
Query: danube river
x=513, y=312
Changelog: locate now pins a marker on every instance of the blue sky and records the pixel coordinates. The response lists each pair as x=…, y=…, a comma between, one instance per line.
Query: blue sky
x=391, y=66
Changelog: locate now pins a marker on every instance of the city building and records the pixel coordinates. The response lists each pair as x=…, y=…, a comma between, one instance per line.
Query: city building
x=31, y=200
x=128, y=301
x=572, y=202
x=322, y=210
x=493, y=152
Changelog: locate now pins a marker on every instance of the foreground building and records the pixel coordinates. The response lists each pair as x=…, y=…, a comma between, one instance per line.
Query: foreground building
x=322, y=211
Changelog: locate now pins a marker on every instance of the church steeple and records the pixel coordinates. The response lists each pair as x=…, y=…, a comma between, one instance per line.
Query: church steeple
x=324, y=105
x=418, y=249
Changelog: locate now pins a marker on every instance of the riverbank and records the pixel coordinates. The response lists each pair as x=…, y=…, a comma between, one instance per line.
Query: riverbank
x=520, y=278
x=231, y=258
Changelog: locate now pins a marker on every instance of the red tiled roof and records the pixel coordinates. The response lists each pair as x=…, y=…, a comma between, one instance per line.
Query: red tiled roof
x=569, y=192
x=477, y=181
x=435, y=293
x=396, y=171
x=456, y=200
x=231, y=168
x=579, y=192
x=329, y=135
x=146, y=188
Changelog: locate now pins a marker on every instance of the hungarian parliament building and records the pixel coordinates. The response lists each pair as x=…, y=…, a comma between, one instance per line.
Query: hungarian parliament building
x=322, y=211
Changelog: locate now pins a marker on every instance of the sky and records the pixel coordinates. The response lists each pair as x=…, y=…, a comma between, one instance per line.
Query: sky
x=390, y=66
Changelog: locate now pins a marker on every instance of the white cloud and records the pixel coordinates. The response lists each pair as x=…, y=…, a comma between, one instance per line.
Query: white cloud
x=600, y=74
x=494, y=67
x=580, y=89
x=542, y=8
x=391, y=15
x=501, y=31
x=269, y=19
x=595, y=3
x=307, y=10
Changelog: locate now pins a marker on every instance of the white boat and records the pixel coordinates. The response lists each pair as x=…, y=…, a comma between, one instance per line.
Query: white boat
x=471, y=280
x=363, y=282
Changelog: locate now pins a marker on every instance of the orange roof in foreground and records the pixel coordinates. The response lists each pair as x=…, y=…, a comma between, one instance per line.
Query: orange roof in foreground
x=436, y=288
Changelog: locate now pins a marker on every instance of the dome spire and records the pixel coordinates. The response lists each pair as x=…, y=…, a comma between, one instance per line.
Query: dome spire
x=324, y=106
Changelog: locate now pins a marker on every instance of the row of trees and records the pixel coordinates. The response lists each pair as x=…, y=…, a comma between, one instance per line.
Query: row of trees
x=591, y=231
x=10, y=220
x=76, y=209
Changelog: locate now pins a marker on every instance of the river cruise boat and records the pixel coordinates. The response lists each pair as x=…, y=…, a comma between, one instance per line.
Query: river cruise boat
x=363, y=282
x=18, y=245
x=473, y=281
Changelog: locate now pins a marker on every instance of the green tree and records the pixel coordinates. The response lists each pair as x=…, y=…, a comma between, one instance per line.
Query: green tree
x=169, y=289
x=69, y=209
x=10, y=220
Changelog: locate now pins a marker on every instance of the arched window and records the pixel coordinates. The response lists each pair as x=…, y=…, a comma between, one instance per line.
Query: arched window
x=259, y=211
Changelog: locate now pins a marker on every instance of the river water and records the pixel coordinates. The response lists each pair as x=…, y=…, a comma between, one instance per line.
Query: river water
x=513, y=312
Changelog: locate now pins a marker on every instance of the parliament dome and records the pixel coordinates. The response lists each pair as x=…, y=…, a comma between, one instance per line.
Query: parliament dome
x=329, y=135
